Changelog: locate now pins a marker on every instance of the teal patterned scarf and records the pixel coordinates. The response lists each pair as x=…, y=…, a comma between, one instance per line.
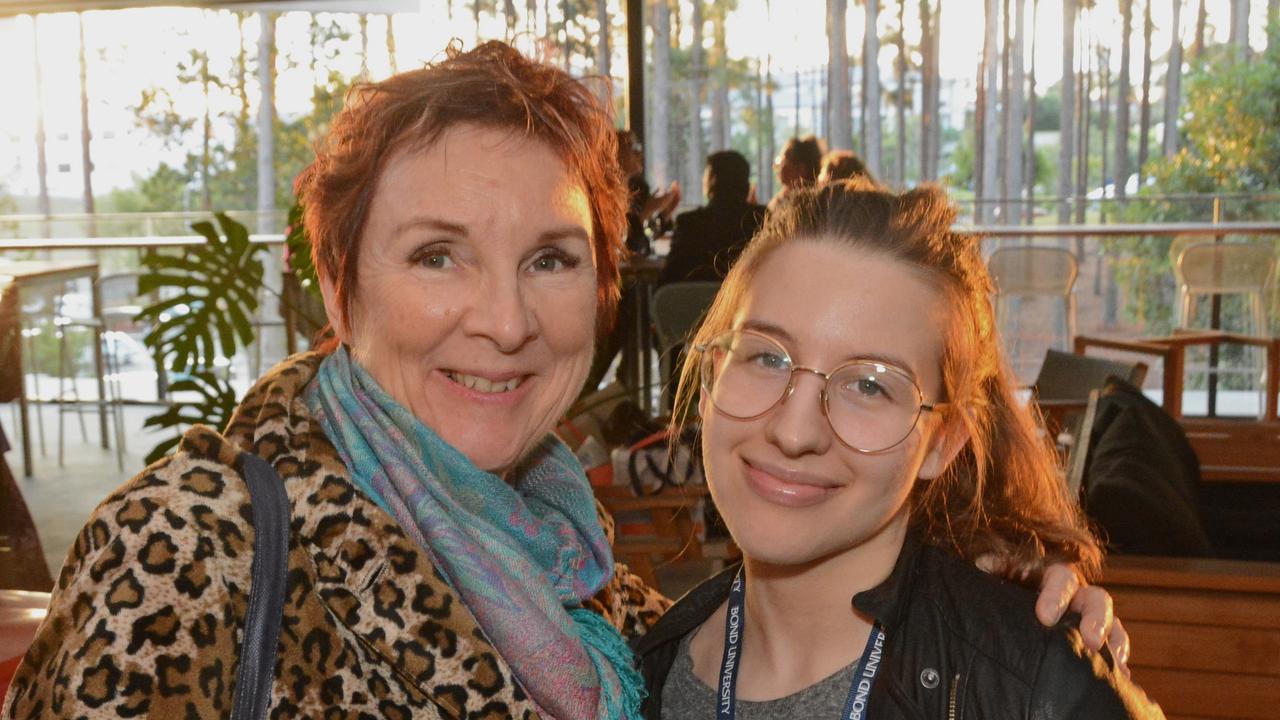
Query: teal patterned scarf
x=522, y=556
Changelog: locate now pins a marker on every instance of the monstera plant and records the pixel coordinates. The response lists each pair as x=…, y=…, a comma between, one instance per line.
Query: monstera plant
x=207, y=298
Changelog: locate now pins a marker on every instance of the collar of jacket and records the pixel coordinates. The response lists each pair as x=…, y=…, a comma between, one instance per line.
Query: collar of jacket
x=367, y=571
x=885, y=602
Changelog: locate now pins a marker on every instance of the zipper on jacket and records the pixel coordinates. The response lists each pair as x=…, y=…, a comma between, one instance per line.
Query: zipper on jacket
x=952, y=713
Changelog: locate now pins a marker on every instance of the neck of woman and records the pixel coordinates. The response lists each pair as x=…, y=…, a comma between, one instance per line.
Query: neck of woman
x=800, y=625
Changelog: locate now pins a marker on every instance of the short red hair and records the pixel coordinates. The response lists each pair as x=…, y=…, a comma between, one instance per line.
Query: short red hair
x=492, y=86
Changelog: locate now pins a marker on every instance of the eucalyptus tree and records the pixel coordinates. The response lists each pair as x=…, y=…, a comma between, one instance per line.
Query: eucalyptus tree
x=659, y=99
x=694, y=151
x=1144, y=123
x=86, y=154
x=1122, y=100
x=871, y=88
x=988, y=127
x=42, y=163
x=1066, y=117
x=721, y=119
x=1173, y=78
x=1014, y=115
x=1239, y=38
x=930, y=128
x=839, y=102
x=900, y=65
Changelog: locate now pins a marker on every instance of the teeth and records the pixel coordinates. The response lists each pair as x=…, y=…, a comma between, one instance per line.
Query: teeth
x=483, y=385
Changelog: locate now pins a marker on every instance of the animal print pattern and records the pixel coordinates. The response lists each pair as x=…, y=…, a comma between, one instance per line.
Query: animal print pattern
x=148, y=611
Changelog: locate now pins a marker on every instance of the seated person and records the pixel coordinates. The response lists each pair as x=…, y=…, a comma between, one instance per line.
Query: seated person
x=645, y=206
x=842, y=165
x=707, y=240
x=797, y=165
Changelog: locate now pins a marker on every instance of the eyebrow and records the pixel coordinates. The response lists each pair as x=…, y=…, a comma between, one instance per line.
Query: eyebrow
x=779, y=333
x=431, y=224
x=547, y=236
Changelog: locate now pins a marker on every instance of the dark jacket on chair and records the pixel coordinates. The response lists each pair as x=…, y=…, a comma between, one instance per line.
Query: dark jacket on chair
x=707, y=241
x=959, y=643
x=1142, y=478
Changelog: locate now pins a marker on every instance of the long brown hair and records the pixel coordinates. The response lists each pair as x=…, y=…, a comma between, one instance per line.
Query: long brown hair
x=494, y=86
x=1002, y=496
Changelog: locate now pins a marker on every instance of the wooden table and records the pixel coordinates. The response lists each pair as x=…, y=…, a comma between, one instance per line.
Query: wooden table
x=16, y=276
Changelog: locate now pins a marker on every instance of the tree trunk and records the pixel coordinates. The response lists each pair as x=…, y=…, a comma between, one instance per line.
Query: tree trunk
x=1104, y=119
x=1144, y=123
x=475, y=13
x=900, y=64
x=990, y=118
x=695, y=154
x=871, y=90
x=266, y=121
x=1240, y=28
x=206, y=136
x=839, y=104
x=566, y=50
x=1066, y=116
x=364, y=44
x=1029, y=214
x=531, y=17
x=1122, y=101
x=1202, y=18
x=928, y=117
x=1173, y=81
x=656, y=145
x=1017, y=120
x=42, y=163
x=1273, y=12
x=391, y=43
x=509, y=15
x=604, y=57
x=86, y=156
x=721, y=135
x=1083, y=90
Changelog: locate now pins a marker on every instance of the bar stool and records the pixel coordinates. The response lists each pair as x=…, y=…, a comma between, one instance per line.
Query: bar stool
x=1026, y=272
x=1224, y=268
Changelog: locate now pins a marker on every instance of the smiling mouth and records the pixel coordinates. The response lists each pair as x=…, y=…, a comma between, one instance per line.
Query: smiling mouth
x=483, y=385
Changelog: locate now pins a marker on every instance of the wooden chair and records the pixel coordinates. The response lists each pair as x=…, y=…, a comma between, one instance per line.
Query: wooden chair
x=1065, y=381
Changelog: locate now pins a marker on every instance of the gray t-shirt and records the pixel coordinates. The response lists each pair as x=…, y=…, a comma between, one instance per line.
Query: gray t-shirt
x=685, y=696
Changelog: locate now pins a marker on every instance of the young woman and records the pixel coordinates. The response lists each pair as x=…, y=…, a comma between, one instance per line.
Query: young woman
x=865, y=447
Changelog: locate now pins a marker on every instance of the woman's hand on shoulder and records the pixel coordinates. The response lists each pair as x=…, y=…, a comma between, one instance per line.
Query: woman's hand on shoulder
x=1062, y=589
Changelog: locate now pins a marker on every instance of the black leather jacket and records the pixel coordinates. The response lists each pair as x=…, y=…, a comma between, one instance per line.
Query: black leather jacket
x=959, y=644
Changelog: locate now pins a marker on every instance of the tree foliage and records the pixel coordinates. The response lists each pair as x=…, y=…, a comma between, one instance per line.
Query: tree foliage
x=1230, y=145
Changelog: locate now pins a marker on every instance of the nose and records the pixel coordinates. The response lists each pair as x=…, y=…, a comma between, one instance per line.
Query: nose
x=797, y=425
x=502, y=314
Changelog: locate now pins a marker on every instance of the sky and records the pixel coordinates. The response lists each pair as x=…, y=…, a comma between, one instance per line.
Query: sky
x=132, y=50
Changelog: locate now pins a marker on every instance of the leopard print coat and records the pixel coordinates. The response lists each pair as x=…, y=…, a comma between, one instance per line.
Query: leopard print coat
x=148, y=612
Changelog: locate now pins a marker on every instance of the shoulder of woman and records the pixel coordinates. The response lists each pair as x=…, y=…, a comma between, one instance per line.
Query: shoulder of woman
x=1074, y=681
x=154, y=581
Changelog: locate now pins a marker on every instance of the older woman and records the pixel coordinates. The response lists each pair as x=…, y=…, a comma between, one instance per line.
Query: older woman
x=445, y=555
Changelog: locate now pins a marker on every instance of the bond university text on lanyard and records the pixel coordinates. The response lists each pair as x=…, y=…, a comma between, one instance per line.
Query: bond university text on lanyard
x=855, y=708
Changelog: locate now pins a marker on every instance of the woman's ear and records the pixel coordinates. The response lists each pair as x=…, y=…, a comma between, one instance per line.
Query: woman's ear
x=949, y=437
x=333, y=308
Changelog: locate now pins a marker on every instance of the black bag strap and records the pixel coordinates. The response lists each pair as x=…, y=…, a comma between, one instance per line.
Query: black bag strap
x=267, y=588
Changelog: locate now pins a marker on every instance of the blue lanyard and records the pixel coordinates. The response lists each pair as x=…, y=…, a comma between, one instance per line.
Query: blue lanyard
x=855, y=708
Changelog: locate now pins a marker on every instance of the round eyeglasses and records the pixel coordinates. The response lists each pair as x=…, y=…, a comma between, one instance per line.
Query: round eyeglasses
x=871, y=406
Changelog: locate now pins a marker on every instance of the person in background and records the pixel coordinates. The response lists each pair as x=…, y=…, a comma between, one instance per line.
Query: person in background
x=798, y=165
x=706, y=241
x=842, y=165
x=864, y=443
x=646, y=207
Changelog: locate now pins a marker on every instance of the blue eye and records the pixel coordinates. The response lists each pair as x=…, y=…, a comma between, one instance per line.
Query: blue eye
x=773, y=361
